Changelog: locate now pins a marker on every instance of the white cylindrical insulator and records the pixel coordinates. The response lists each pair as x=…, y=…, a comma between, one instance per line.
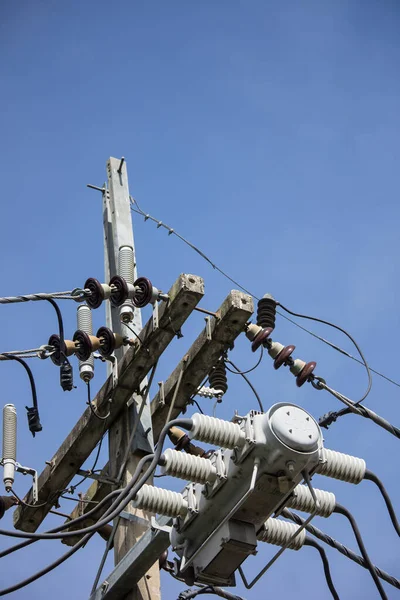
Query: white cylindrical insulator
x=341, y=466
x=216, y=431
x=297, y=366
x=188, y=467
x=126, y=264
x=9, y=444
x=160, y=501
x=275, y=349
x=278, y=532
x=84, y=322
x=303, y=500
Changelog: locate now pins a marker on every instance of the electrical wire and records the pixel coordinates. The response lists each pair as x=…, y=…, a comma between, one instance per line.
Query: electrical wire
x=227, y=360
x=370, y=476
x=346, y=333
x=352, y=407
x=171, y=231
x=248, y=370
x=93, y=410
x=341, y=510
x=208, y=589
x=76, y=294
x=310, y=542
x=327, y=539
x=125, y=496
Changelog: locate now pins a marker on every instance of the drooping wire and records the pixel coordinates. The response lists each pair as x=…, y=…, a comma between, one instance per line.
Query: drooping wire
x=310, y=542
x=369, y=475
x=346, y=333
x=327, y=539
x=33, y=413
x=239, y=372
x=171, y=231
x=341, y=510
x=92, y=408
x=252, y=368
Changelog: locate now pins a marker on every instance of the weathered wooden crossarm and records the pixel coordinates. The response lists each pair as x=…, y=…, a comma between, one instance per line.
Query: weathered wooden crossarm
x=233, y=314
x=137, y=362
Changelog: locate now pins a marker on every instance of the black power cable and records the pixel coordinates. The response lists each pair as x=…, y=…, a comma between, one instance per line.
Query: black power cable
x=239, y=372
x=375, y=479
x=327, y=539
x=33, y=412
x=66, y=373
x=124, y=496
x=310, y=542
x=300, y=316
x=208, y=589
x=341, y=510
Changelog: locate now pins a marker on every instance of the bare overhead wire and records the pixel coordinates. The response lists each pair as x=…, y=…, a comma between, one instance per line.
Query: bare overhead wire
x=136, y=208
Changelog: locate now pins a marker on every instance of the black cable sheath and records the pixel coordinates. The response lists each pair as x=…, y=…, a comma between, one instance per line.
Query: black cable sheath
x=310, y=542
x=327, y=539
x=300, y=316
x=30, y=375
x=131, y=490
x=239, y=372
x=375, y=479
x=128, y=493
x=341, y=510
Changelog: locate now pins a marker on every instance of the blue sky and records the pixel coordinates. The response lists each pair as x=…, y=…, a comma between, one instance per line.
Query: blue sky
x=268, y=134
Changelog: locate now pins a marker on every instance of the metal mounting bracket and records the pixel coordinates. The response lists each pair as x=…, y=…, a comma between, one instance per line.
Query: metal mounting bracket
x=29, y=471
x=156, y=526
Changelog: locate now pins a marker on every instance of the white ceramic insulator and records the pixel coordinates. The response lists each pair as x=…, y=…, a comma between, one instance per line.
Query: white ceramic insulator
x=216, y=431
x=126, y=264
x=160, y=501
x=84, y=322
x=278, y=532
x=106, y=290
x=252, y=331
x=9, y=444
x=297, y=366
x=275, y=349
x=188, y=467
x=303, y=500
x=341, y=466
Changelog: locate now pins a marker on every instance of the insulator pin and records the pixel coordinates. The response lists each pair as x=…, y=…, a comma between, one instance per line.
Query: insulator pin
x=217, y=377
x=160, y=501
x=341, y=466
x=190, y=468
x=303, y=500
x=216, y=432
x=278, y=532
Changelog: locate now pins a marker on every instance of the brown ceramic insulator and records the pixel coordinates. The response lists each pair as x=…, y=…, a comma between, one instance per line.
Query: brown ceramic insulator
x=95, y=343
x=119, y=291
x=84, y=345
x=176, y=435
x=283, y=356
x=68, y=350
x=261, y=338
x=143, y=293
x=96, y=292
x=305, y=373
x=162, y=561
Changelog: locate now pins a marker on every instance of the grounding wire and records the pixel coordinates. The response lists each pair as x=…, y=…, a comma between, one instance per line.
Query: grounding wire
x=171, y=231
x=252, y=368
x=310, y=542
x=327, y=539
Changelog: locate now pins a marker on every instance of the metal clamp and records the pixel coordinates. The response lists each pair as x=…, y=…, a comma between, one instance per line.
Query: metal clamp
x=208, y=328
x=29, y=471
x=156, y=526
x=155, y=316
x=114, y=371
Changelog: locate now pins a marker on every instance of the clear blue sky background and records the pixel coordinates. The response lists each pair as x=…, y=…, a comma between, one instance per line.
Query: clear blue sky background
x=268, y=134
